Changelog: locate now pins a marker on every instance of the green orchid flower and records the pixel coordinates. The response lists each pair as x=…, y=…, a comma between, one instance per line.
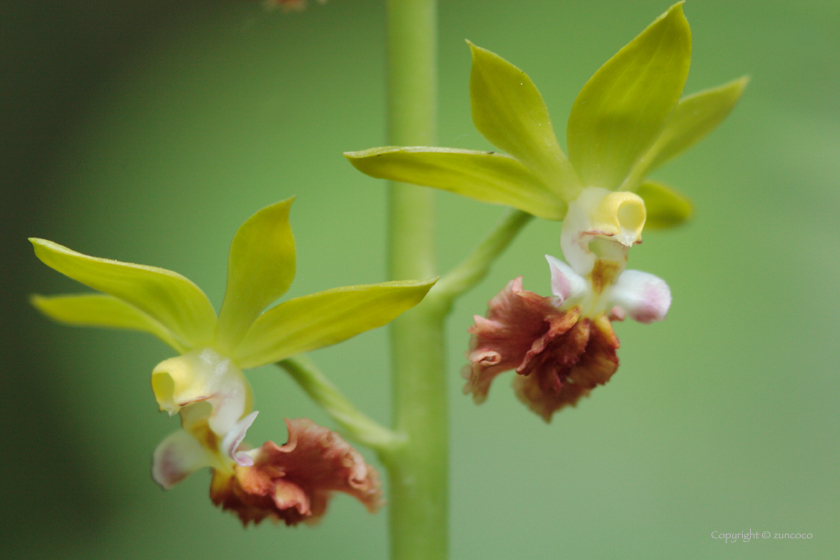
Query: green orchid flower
x=205, y=384
x=627, y=120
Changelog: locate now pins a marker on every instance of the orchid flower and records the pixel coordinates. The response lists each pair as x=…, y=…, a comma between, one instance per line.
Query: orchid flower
x=627, y=120
x=205, y=383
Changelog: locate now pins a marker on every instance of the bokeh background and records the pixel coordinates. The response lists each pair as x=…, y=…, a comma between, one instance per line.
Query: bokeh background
x=148, y=131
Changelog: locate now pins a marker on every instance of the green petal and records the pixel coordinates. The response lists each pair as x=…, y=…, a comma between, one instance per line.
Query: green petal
x=165, y=296
x=694, y=117
x=261, y=267
x=100, y=310
x=309, y=322
x=665, y=207
x=509, y=111
x=484, y=176
x=623, y=108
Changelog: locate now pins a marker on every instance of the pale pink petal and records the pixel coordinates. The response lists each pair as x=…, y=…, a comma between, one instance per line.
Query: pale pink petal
x=616, y=314
x=565, y=283
x=645, y=297
x=234, y=438
x=178, y=456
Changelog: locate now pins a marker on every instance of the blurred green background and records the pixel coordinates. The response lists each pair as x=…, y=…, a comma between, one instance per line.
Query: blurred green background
x=148, y=131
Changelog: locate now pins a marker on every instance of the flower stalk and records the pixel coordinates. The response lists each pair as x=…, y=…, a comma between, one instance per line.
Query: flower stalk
x=476, y=266
x=418, y=471
x=353, y=422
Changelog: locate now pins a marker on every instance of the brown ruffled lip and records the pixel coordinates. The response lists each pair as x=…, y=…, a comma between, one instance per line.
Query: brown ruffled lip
x=559, y=355
x=294, y=482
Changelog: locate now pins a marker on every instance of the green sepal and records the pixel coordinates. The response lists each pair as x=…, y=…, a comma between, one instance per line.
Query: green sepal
x=261, y=267
x=167, y=297
x=317, y=320
x=508, y=110
x=623, y=108
x=665, y=207
x=101, y=310
x=483, y=176
x=694, y=117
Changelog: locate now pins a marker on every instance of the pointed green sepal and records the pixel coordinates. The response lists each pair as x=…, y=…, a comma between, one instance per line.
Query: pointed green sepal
x=167, y=297
x=101, y=310
x=508, y=110
x=314, y=321
x=623, y=108
x=665, y=207
x=483, y=176
x=261, y=267
x=694, y=117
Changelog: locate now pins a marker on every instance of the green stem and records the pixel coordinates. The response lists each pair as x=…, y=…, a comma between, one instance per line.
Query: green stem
x=354, y=423
x=418, y=471
x=476, y=266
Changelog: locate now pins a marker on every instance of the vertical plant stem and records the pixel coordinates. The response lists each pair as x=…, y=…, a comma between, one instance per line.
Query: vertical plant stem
x=418, y=470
